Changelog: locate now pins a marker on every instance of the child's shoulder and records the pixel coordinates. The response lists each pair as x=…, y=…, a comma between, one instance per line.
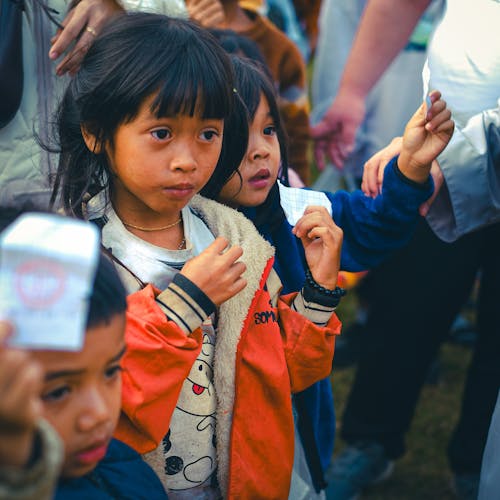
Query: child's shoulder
x=122, y=473
x=231, y=224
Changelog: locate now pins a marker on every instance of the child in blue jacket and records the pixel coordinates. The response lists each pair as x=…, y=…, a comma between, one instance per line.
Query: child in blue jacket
x=373, y=228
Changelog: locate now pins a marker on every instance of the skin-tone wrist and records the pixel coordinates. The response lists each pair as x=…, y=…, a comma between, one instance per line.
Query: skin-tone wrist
x=416, y=173
x=16, y=447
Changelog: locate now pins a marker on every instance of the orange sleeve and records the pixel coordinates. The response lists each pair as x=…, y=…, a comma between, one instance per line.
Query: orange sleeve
x=158, y=359
x=308, y=347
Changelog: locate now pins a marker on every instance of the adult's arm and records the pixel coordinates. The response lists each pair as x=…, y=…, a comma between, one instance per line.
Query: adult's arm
x=383, y=31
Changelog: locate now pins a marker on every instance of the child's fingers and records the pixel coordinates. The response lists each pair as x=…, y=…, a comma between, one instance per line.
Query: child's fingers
x=217, y=246
x=19, y=407
x=236, y=286
x=436, y=108
x=12, y=364
x=313, y=216
x=370, y=177
x=442, y=117
x=312, y=209
x=431, y=98
x=330, y=236
x=447, y=127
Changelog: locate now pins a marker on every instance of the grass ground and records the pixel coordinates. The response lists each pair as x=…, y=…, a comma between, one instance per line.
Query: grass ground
x=423, y=472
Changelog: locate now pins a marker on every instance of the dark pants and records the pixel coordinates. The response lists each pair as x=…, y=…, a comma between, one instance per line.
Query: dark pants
x=414, y=299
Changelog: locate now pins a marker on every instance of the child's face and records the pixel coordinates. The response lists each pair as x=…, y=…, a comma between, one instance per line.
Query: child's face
x=260, y=166
x=81, y=394
x=161, y=163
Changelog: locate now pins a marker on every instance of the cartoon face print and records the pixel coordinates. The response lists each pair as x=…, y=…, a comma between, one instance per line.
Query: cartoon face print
x=198, y=393
x=189, y=447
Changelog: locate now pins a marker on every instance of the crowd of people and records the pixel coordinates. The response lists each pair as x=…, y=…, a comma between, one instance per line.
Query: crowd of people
x=181, y=130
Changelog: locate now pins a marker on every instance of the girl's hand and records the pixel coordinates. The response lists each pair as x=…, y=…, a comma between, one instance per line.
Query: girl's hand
x=81, y=25
x=216, y=271
x=426, y=135
x=20, y=404
x=322, y=241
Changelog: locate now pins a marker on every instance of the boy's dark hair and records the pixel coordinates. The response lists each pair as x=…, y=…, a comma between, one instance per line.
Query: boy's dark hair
x=138, y=55
x=108, y=295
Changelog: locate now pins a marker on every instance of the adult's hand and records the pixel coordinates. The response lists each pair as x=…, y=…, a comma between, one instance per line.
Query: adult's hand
x=81, y=25
x=438, y=178
x=209, y=13
x=335, y=134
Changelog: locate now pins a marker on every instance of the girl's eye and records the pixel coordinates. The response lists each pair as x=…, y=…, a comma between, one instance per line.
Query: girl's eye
x=113, y=371
x=270, y=130
x=56, y=395
x=209, y=135
x=161, y=134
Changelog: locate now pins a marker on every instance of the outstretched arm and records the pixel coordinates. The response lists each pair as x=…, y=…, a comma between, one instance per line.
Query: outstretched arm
x=374, y=227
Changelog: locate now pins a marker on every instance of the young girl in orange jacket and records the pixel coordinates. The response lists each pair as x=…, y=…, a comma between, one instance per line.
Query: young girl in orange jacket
x=213, y=352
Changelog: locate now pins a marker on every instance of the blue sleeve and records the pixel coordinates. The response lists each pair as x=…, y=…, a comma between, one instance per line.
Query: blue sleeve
x=376, y=227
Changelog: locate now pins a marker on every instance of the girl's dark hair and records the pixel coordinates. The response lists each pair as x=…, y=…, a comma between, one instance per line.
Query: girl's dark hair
x=239, y=45
x=108, y=296
x=252, y=81
x=138, y=55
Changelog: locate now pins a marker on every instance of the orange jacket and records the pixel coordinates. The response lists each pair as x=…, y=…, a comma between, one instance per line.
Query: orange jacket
x=264, y=352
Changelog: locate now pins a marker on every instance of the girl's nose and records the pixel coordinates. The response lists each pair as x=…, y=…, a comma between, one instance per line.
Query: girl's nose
x=258, y=151
x=94, y=411
x=183, y=159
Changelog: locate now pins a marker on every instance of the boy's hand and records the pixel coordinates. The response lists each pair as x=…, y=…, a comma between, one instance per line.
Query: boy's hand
x=322, y=241
x=208, y=13
x=426, y=135
x=20, y=404
x=216, y=271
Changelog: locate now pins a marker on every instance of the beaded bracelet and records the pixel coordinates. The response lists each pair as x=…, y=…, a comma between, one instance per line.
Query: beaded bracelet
x=314, y=292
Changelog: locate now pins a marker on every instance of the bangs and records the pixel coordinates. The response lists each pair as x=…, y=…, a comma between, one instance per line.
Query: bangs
x=191, y=87
x=179, y=62
x=252, y=82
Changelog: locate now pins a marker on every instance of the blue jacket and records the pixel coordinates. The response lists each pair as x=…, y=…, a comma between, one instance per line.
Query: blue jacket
x=373, y=230
x=122, y=474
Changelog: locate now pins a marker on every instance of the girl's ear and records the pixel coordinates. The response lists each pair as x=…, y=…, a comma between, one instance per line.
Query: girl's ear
x=93, y=145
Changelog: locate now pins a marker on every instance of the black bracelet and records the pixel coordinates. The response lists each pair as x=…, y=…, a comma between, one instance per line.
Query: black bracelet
x=314, y=292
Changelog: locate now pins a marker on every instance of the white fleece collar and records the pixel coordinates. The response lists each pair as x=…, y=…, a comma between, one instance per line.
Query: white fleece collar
x=224, y=221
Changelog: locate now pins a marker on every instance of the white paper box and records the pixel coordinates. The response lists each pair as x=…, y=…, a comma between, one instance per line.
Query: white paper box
x=47, y=269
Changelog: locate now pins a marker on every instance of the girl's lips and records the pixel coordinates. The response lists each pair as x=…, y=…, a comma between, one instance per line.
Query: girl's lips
x=93, y=454
x=180, y=191
x=260, y=179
